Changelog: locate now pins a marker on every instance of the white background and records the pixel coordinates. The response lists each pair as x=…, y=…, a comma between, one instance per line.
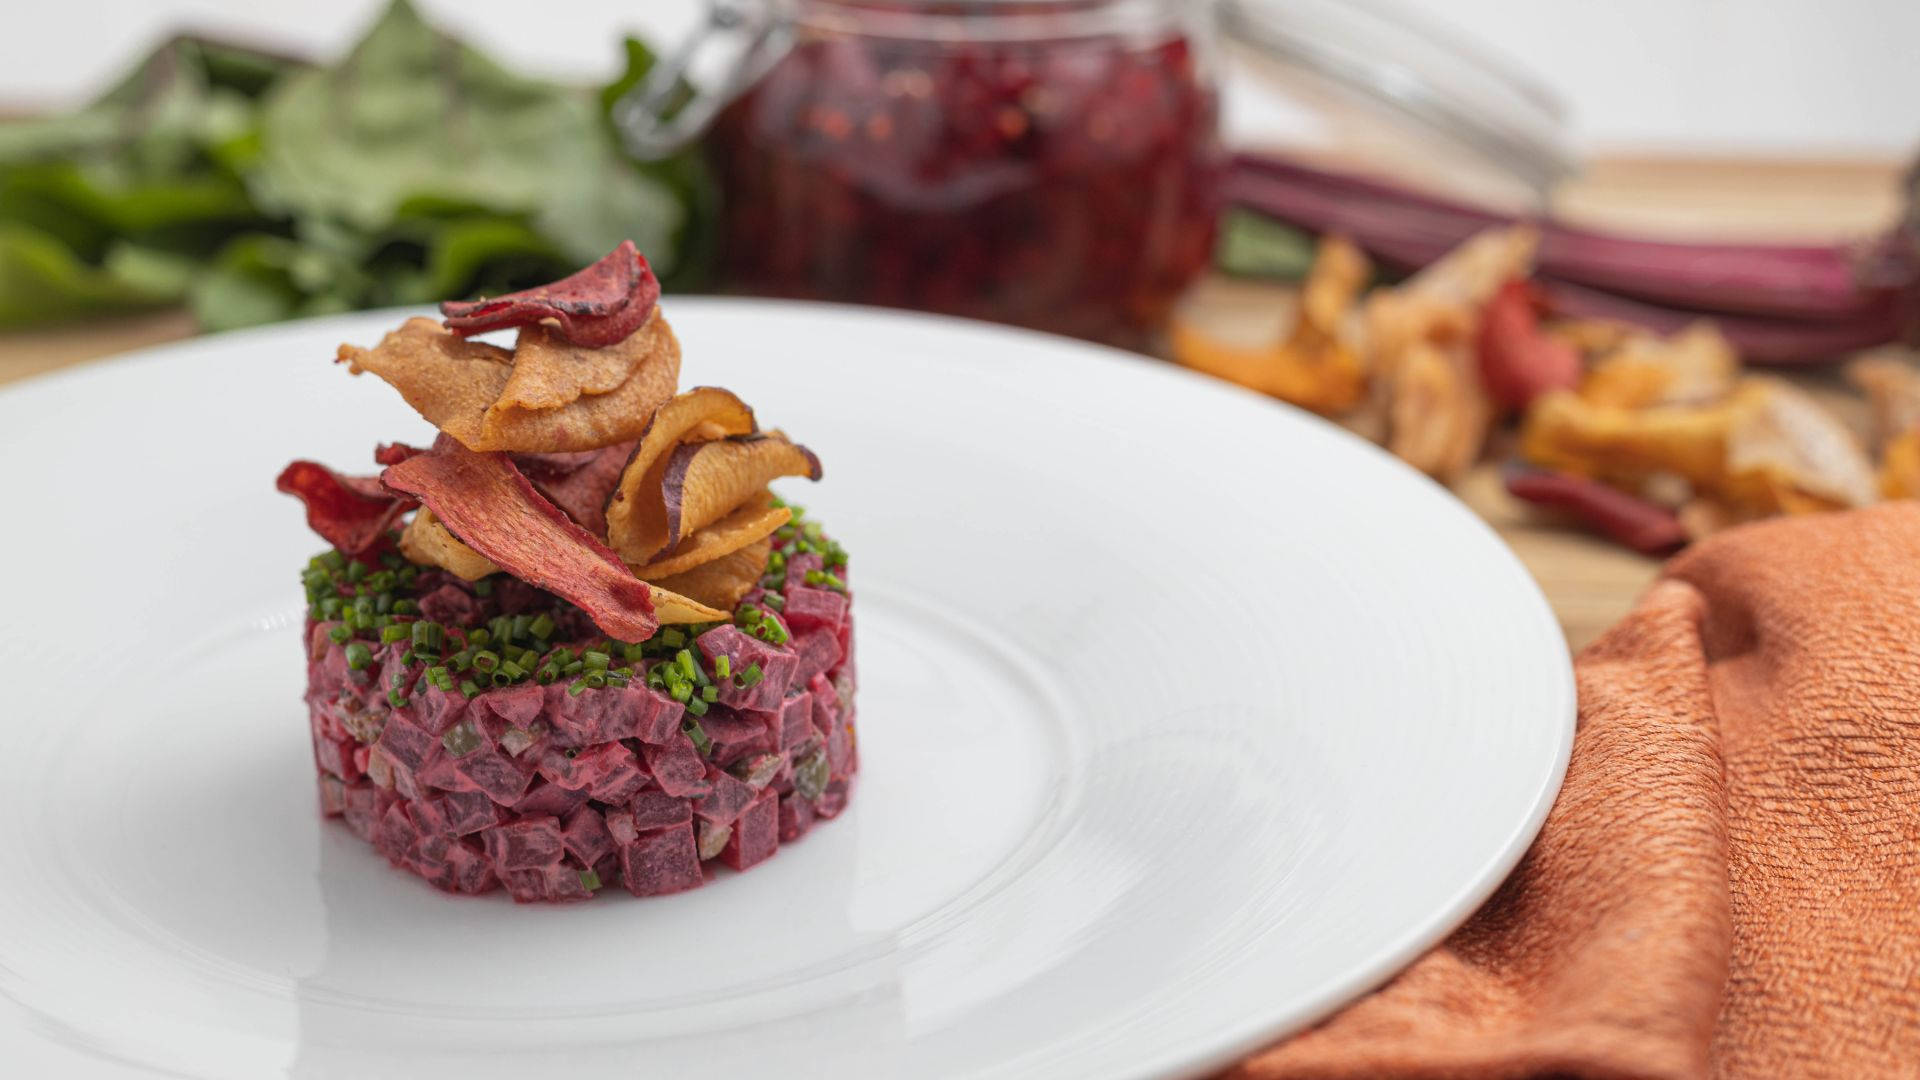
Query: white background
x=1833, y=77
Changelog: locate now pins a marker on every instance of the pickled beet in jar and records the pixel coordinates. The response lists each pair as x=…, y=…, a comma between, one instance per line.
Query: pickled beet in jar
x=1047, y=163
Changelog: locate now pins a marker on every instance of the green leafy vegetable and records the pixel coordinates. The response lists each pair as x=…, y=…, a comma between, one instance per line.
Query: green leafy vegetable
x=256, y=188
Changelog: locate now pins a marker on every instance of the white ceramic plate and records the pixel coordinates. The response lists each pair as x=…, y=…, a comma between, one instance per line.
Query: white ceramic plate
x=1185, y=718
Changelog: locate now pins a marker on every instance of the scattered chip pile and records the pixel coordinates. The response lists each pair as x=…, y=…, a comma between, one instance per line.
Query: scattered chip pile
x=600, y=650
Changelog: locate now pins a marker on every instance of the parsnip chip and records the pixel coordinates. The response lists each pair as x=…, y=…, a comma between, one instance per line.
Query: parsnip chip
x=704, y=482
x=1696, y=366
x=1766, y=448
x=723, y=582
x=600, y=420
x=455, y=384
x=751, y=522
x=1802, y=448
x=1893, y=391
x=672, y=609
x=447, y=379
x=632, y=516
x=551, y=373
x=428, y=543
x=1439, y=415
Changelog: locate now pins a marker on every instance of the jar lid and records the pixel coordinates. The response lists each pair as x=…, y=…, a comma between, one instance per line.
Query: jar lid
x=1418, y=77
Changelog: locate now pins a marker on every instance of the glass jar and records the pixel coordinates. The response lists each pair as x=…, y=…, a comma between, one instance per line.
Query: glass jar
x=1047, y=163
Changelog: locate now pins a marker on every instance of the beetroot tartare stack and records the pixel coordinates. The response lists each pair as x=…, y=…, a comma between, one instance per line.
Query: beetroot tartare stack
x=577, y=641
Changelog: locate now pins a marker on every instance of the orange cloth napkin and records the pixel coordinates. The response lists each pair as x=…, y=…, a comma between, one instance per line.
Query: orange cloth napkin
x=1729, y=884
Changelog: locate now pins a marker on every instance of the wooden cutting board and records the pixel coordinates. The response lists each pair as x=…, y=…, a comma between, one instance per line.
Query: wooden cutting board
x=1591, y=584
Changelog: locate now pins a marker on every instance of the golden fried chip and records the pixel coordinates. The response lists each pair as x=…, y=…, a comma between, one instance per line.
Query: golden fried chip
x=722, y=583
x=1900, y=467
x=1696, y=366
x=704, y=482
x=446, y=378
x=1804, y=452
x=428, y=543
x=1438, y=417
x=1470, y=274
x=1767, y=448
x=551, y=373
x=670, y=608
x=1893, y=392
x=600, y=420
x=635, y=513
x=751, y=522
x=456, y=384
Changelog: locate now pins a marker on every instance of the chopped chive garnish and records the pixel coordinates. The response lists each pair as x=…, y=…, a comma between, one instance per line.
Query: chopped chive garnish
x=632, y=653
x=699, y=736
x=594, y=679
x=479, y=638
x=541, y=627
x=672, y=638
x=483, y=587
x=469, y=688
x=574, y=668
x=356, y=570
x=709, y=693
x=546, y=674
x=339, y=634
x=576, y=688
x=396, y=699
x=429, y=637
x=723, y=665
x=393, y=632
x=358, y=655
x=589, y=880
x=681, y=692
x=486, y=660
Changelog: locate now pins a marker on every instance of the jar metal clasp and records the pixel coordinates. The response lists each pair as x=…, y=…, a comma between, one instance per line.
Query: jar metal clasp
x=666, y=111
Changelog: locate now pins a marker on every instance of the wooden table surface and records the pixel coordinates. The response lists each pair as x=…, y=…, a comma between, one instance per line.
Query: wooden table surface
x=1590, y=583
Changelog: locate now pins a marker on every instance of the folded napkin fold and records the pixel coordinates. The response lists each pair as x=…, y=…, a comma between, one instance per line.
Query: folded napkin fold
x=1729, y=883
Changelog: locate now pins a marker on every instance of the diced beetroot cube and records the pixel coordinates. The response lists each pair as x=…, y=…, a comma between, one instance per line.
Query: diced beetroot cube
x=472, y=871
x=677, y=767
x=525, y=844
x=442, y=772
x=586, y=836
x=798, y=566
x=659, y=810
x=468, y=812
x=810, y=607
x=333, y=796
x=826, y=714
x=439, y=710
x=518, y=705
x=818, y=651
x=545, y=883
x=396, y=832
x=503, y=778
x=361, y=755
x=796, y=817
x=336, y=756
x=428, y=858
x=558, y=766
x=661, y=861
x=657, y=717
x=450, y=605
x=840, y=751
x=550, y=799
x=725, y=727
x=833, y=800
x=756, y=835
x=429, y=817
x=621, y=780
x=727, y=797
x=361, y=810
x=405, y=783
x=777, y=667
x=794, y=721
x=405, y=743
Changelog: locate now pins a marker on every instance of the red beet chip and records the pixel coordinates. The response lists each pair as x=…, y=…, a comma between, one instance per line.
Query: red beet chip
x=1645, y=527
x=1518, y=360
x=353, y=513
x=597, y=307
x=487, y=502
